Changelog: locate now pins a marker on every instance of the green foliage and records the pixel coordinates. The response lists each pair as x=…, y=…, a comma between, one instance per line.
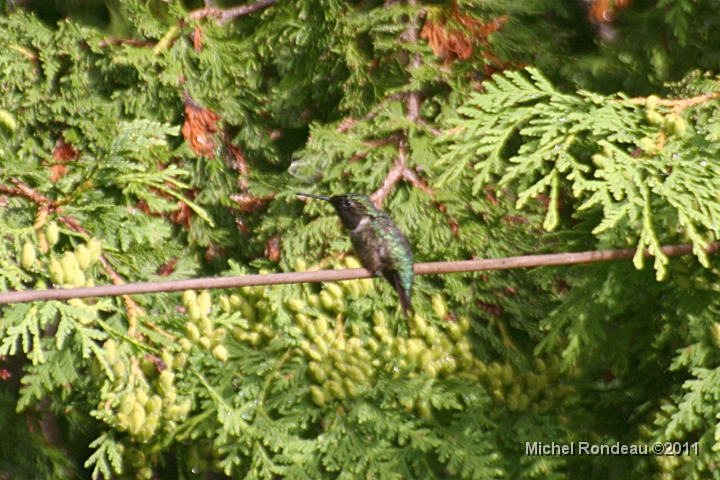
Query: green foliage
x=653, y=175
x=173, y=146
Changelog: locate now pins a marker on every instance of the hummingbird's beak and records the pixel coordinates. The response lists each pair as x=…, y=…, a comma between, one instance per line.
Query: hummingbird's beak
x=321, y=197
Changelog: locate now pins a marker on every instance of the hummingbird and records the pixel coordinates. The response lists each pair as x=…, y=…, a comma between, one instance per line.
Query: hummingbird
x=379, y=244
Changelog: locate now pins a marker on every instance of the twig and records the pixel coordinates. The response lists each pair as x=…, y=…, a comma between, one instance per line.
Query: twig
x=399, y=171
x=224, y=16
x=412, y=35
x=126, y=41
x=413, y=102
x=15, y=192
x=393, y=177
x=394, y=139
x=350, y=122
x=435, y=268
x=436, y=132
x=28, y=192
x=680, y=104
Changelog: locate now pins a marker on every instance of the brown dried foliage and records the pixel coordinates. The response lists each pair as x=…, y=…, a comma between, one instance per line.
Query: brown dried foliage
x=454, y=35
x=237, y=160
x=181, y=216
x=272, y=249
x=168, y=268
x=605, y=11
x=247, y=202
x=63, y=152
x=156, y=361
x=490, y=308
x=200, y=128
x=213, y=251
x=250, y=203
x=197, y=37
x=242, y=225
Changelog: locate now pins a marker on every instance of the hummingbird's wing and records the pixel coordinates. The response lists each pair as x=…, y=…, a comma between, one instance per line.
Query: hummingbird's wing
x=398, y=261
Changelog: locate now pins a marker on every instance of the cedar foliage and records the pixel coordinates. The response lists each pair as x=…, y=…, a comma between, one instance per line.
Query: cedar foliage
x=170, y=144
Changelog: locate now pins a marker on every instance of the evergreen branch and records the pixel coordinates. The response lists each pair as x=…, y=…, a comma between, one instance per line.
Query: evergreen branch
x=159, y=330
x=224, y=16
x=187, y=427
x=436, y=132
x=167, y=40
x=412, y=36
x=394, y=139
x=46, y=205
x=349, y=122
x=434, y=268
x=131, y=305
x=83, y=187
x=413, y=101
x=275, y=373
x=26, y=52
x=118, y=334
x=159, y=182
x=225, y=413
x=107, y=458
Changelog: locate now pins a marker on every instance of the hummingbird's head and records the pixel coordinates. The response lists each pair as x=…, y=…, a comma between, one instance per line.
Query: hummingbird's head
x=351, y=207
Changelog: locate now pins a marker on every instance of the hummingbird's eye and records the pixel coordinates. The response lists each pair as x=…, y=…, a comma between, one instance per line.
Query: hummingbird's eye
x=347, y=203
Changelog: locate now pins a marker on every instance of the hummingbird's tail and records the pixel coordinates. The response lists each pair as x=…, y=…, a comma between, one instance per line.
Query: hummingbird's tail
x=402, y=294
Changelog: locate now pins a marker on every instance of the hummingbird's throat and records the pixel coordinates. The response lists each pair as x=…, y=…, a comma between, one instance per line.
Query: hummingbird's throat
x=361, y=225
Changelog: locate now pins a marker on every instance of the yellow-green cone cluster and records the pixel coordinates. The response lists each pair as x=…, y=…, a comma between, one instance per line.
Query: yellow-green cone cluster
x=331, y=298
x=7, y=120
x=670, y=464
x=145, y=398
x=200, y=330
x=671, y=124
x=69, y=271
x=28, y=256
x=343, y=369
x=139, y=461
x=344, y=365
x=430, y=350
x=52, y=234
x=255, y=309
x=537, y=391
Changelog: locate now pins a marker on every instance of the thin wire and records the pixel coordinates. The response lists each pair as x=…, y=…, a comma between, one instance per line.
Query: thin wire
x=434, y=268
